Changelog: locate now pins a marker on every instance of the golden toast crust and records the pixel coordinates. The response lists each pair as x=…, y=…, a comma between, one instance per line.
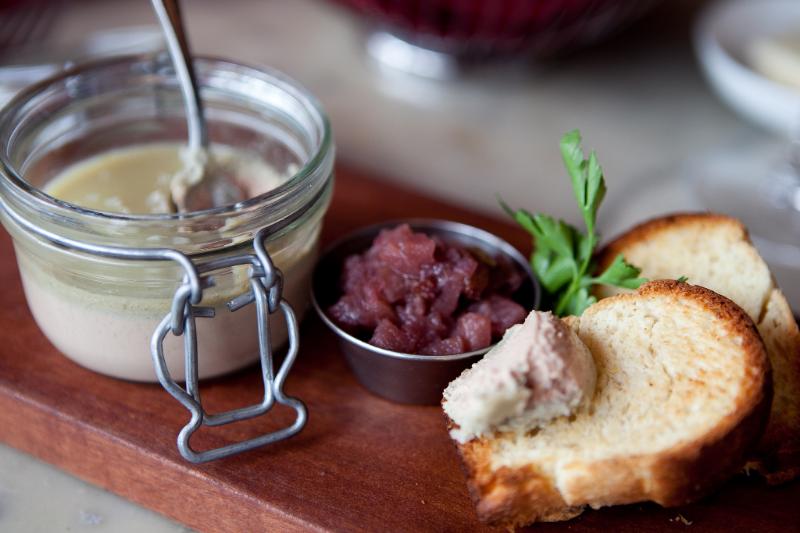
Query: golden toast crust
x=512, y=497
x=778, y=455
x=651, y=228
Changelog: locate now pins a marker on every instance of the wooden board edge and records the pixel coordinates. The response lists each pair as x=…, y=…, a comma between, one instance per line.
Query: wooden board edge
x=110, y=463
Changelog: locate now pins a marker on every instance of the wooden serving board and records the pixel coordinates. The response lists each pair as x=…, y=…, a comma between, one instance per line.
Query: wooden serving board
x=361, y=463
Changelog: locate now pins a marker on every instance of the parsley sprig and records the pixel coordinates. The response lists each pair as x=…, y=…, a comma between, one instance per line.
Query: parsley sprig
x=562, y=256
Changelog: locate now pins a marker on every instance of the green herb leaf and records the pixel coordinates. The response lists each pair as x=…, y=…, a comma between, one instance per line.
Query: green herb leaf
x=578, y=302
x=620, y=273
x=562, y=257
x=587, y=179
x=572, y=155
x=586, y=245
x=595, y=192
x=682, y=279
x=552, y=271
x=556, y=235
x=553, y=260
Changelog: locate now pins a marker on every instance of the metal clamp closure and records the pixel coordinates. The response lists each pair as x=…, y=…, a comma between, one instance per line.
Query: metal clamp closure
x=266, y=285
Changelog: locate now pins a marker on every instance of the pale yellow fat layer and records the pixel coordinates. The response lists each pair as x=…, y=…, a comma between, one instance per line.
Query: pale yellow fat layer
x=137, y=179
x=131, y=180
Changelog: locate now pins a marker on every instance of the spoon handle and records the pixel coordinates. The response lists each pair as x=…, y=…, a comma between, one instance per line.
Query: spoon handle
x=169, y=16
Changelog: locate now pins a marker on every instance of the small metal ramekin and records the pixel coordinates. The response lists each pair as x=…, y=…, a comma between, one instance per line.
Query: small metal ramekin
x=403, y=377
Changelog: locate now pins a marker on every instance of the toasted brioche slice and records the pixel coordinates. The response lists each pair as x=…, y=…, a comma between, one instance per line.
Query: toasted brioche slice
x=682, y=393
x=715, y=251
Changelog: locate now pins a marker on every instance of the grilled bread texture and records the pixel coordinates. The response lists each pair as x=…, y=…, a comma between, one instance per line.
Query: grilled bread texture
x=683, y=392
x=715, y=251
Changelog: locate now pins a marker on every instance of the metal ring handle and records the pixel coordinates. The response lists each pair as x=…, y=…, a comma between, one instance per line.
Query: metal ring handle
x=263, y=297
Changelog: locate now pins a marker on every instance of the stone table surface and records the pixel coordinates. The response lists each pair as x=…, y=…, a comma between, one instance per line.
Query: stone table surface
x=639, y=100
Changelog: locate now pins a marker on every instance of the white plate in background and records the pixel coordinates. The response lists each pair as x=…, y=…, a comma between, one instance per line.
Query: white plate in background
x=723, y=37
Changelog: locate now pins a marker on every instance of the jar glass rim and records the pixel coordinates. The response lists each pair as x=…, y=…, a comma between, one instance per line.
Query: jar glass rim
x=10, y=175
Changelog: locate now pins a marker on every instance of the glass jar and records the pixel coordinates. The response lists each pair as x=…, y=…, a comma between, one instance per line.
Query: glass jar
x=101, y=311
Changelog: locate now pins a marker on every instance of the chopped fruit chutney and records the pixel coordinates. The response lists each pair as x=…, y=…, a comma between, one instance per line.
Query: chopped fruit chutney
x=412, y=293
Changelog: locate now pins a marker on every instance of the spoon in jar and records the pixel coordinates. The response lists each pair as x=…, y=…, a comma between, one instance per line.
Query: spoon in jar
x=198, y=185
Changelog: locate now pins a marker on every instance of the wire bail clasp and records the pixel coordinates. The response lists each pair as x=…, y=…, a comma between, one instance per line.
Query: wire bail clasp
x=266, y=287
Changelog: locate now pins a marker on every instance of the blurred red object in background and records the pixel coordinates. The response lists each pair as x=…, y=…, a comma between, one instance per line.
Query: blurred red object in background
x=479, y=28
